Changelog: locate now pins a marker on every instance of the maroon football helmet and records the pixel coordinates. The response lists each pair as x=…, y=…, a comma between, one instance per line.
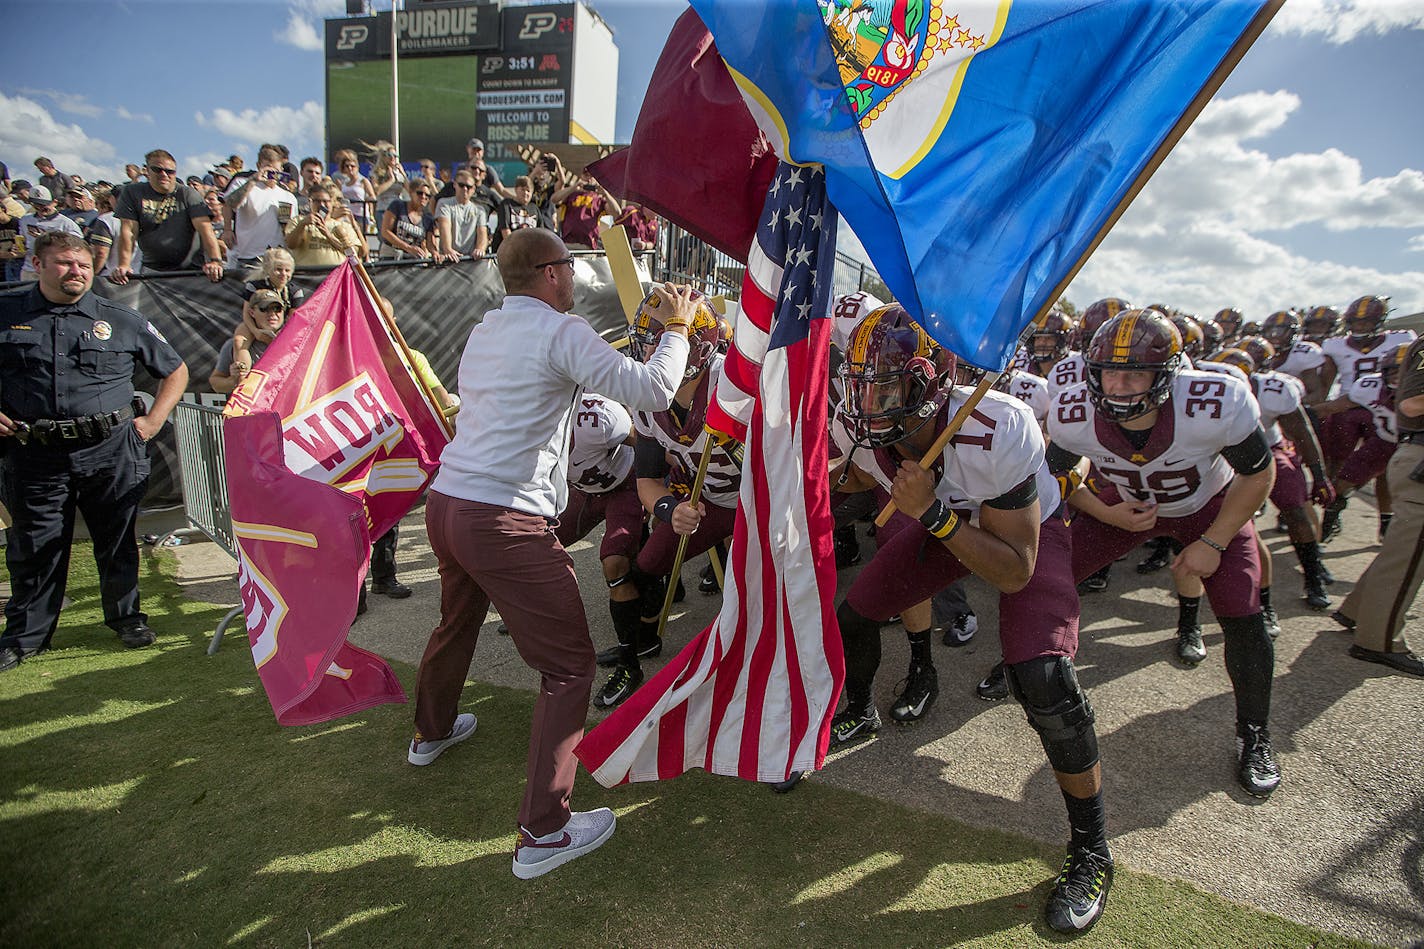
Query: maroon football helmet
x=1280, y=329
x=1237, y=357
x=1262, y=353
x=704, y=336
x=1193, y=339
x=1364, y=318
x=1054, y=338
x=894, y=376
x=1096, y=315
x=1320, y=323
x=1214, y=336
x=1134, y=341
x=1230, y=320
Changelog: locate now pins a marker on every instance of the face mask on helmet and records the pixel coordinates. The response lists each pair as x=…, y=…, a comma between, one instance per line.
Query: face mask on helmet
x=894, y=376
x=1051, y=341
x=1280, y=329
x=1321, y=322
x=1262, y=353
x=1229, y=320
x=703, y=336
x=1365, y=317
x=1136, y=341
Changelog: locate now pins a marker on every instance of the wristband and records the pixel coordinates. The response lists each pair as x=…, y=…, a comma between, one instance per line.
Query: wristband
x=664, y=507
x=1212, y=544
x=940, y=521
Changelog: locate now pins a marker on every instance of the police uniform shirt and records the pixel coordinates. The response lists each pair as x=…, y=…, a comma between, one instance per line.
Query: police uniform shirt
x=1180, y=466
x=1410, y=385
x=64, y=361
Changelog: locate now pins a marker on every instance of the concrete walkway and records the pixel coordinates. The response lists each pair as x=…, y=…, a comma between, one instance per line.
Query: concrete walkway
x=1340, y=846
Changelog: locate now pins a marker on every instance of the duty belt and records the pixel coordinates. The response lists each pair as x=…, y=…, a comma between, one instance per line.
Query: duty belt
x=1411, y=438
x=72, y=432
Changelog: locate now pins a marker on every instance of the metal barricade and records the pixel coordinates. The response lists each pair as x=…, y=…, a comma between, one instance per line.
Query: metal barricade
x=202, y=464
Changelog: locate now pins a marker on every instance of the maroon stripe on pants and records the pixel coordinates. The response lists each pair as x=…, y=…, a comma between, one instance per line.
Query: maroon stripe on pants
x=490, y=554
x=1234, y=589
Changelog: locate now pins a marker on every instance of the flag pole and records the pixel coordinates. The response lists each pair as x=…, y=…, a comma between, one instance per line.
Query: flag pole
x=390, y=322
x=964, y=411
x=682, y=541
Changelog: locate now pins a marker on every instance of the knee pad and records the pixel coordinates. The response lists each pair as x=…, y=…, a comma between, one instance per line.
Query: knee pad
x=1047, y=688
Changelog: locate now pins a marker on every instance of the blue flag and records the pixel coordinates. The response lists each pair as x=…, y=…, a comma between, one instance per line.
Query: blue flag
x=978, y=149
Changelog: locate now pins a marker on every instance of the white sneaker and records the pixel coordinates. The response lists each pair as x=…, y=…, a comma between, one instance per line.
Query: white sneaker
x=585, y=831
x=962, y=630
x=424, y=752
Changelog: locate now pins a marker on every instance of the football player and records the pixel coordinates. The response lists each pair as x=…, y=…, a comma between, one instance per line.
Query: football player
x=1295, y=355
x=1230, y=320
x=988, y=506
x=670, y=445
x=1373, y=392
x=1187, y=456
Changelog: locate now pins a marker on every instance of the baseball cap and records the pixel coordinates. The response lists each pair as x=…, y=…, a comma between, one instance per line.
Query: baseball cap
x=475, y=143
x=39, y=194
x=265, y=298
x=20, y=184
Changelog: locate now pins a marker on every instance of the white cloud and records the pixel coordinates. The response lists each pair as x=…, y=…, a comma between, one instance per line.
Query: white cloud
x=303, y=21
x=1416, y=243
x=199, y=164
x=1341, y=21
x=74, y=103
x=28, y=130
x=298, y=129
x=128, y=116
x=1195, y=237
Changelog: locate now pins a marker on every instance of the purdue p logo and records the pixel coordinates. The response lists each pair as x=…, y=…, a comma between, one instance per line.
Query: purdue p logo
x=352, y=36
x=536, y=25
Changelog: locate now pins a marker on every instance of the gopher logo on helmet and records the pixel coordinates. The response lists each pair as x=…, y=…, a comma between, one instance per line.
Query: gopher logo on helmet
x=704, y=336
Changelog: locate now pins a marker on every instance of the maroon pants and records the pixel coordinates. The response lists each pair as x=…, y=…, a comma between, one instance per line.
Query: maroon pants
x=1235, y=588
x=1368, y=461
x=493, y=554
x=658, y=553
x=1290, y=491
x=620, y=509
x=1341, y=432
x=911, y=566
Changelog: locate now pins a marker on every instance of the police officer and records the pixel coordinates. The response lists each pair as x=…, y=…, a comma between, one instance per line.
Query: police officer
x=70, y=438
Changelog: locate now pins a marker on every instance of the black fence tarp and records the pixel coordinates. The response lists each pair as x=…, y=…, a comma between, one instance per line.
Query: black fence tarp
x=435, y=308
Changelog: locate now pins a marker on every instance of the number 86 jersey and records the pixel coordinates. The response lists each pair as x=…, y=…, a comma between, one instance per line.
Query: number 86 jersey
x=1180, y=466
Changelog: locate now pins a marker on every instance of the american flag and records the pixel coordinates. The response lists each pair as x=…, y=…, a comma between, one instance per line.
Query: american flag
x=753, y=695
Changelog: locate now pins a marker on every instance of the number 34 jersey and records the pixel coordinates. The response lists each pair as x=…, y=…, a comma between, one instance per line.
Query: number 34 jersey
x=1180, y=466
x=599, y=458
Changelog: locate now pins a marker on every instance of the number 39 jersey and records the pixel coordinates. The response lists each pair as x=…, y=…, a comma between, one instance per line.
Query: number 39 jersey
x=1180, y=466
x=999, y=447
x=599, y=456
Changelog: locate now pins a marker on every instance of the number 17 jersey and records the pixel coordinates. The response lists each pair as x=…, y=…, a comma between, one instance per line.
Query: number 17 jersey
x=1180, y=466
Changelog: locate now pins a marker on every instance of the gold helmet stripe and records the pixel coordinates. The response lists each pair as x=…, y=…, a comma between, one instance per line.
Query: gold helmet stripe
x=1122, y=342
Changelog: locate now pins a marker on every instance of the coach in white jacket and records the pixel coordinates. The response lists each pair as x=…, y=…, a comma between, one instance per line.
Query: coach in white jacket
x=491, y=515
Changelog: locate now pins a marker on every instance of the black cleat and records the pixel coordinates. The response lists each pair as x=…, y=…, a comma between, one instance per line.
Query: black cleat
x=1190, y=649
x=619, y=686
x=961, y=631
x=847, y=546
x=1257, y=771
x=851, y=723
x=1315, y=595
x=1326, y=576
x=1159, y=558
x=789, y=785
x=614, y=654
x=995, y=687
x=1080, y=893
x=1272, y=621
x=9, y=658
x=708, y=585
x=917, y=694
x=391, y=588
x=1096, y=583
x=1329, y=525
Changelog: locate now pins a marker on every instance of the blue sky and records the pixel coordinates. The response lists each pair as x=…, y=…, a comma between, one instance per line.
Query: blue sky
x=1301, y=183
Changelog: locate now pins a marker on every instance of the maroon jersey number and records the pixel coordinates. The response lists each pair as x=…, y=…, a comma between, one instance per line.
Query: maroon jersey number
x=1162, y=486
x=1075, y=410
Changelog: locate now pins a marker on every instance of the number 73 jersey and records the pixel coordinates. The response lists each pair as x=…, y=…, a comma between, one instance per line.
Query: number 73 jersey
x=1180, y=466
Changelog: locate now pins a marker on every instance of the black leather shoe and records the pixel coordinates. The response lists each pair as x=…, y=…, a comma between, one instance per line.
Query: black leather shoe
x=1405, y=662
x=1343, y=620
x=9, y=658
x=611, y=655
x=391, y=588
x=789, y=785
x=136, y=636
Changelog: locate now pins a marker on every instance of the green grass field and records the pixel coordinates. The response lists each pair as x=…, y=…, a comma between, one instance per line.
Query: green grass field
x=437, y=107
x=148, y=798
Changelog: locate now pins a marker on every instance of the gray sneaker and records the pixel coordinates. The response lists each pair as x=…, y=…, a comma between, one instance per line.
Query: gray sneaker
x=424, y=752
x=586, y=831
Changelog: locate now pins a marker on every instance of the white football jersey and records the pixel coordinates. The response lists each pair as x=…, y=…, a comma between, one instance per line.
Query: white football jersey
x=1180, y=466
x=999, y=447
x=599, y=456
x=1351, y=363
x=1303, y=357
x=1022, y=361
x=685, y=443
x=847, y=311
x=1030, y=390
x=1205, y=365
x=1277, y=394
x=1370, y=392
x=1069, y=371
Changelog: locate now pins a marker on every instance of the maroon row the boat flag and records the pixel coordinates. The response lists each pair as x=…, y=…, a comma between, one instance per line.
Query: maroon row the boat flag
x=330, y=440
